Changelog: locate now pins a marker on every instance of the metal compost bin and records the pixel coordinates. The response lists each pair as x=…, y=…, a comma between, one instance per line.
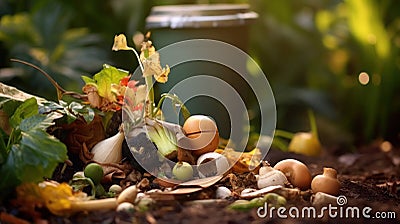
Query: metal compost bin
x=229, y=23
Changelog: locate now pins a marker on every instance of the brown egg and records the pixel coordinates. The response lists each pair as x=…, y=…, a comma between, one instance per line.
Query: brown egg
x=202, y=133
x=326, y=182
x=296, y=172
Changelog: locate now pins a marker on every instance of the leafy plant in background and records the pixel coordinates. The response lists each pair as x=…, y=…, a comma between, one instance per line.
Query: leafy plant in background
x=324, y=48
x=362, y=45
x=45, y=38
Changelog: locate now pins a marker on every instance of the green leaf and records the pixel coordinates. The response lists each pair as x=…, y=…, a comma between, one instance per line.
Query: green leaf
x=8, y=177
x=9, y=106
x=28, y=108
x=50, y=106
x=107, y=76
x=33, y=153
x=71, y=111
x=37, y=155
x=85, y=111
x=3, y=147
x=38, y=121
x=88, y=80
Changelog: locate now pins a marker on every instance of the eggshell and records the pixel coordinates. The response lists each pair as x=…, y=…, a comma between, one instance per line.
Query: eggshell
x=212, y=163
x=296, y=172
x=199, y=123
x=202, y=133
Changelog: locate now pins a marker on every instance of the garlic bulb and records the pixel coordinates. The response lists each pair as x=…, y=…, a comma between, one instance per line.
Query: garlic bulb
x=269, y=176
x=109, y=150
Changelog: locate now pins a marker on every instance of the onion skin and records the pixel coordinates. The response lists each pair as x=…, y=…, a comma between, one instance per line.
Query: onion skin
x=109, y=150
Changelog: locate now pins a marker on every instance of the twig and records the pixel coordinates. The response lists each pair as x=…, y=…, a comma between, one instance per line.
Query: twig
x=60, y=91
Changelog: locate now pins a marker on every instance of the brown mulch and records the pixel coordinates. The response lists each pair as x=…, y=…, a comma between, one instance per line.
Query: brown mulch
x=369, y=178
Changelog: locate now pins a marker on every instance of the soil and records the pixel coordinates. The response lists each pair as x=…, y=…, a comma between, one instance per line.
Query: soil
x=369, y=178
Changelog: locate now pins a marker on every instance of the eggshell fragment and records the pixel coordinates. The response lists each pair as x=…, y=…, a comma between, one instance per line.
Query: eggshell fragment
x=270, y=177
x=223, y=192
x=211, y=164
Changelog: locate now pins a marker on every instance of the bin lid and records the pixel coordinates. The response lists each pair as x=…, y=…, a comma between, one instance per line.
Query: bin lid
x=199, y=16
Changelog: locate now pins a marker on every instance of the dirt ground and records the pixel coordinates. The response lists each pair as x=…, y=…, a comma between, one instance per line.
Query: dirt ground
x=369, y=178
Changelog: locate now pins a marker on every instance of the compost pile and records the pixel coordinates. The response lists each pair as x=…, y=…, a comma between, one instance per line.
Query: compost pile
x=81, y=162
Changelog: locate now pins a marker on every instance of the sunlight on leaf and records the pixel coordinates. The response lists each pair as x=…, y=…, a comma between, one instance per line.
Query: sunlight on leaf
x=367, y=27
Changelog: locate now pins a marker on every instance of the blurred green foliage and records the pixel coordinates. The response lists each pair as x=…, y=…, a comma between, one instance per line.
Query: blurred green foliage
x=312, y=52
x=43, y=36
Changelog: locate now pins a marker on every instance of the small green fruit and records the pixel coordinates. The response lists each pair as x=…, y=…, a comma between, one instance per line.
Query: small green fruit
x=183, y=171
x=95, y=172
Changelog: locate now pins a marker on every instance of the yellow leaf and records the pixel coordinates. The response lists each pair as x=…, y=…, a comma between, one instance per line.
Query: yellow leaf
x=152, y=66
x=120, y=43
x=163, y=76
x=243, y=161
x=57, y=197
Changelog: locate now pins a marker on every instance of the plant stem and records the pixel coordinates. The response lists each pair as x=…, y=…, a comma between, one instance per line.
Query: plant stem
x=150, y=94
x=10, y=140
x=175, y=100
x=60, y=91
x=283, y=134
x=313, y=123
x=280, y=144
x=138, y=59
